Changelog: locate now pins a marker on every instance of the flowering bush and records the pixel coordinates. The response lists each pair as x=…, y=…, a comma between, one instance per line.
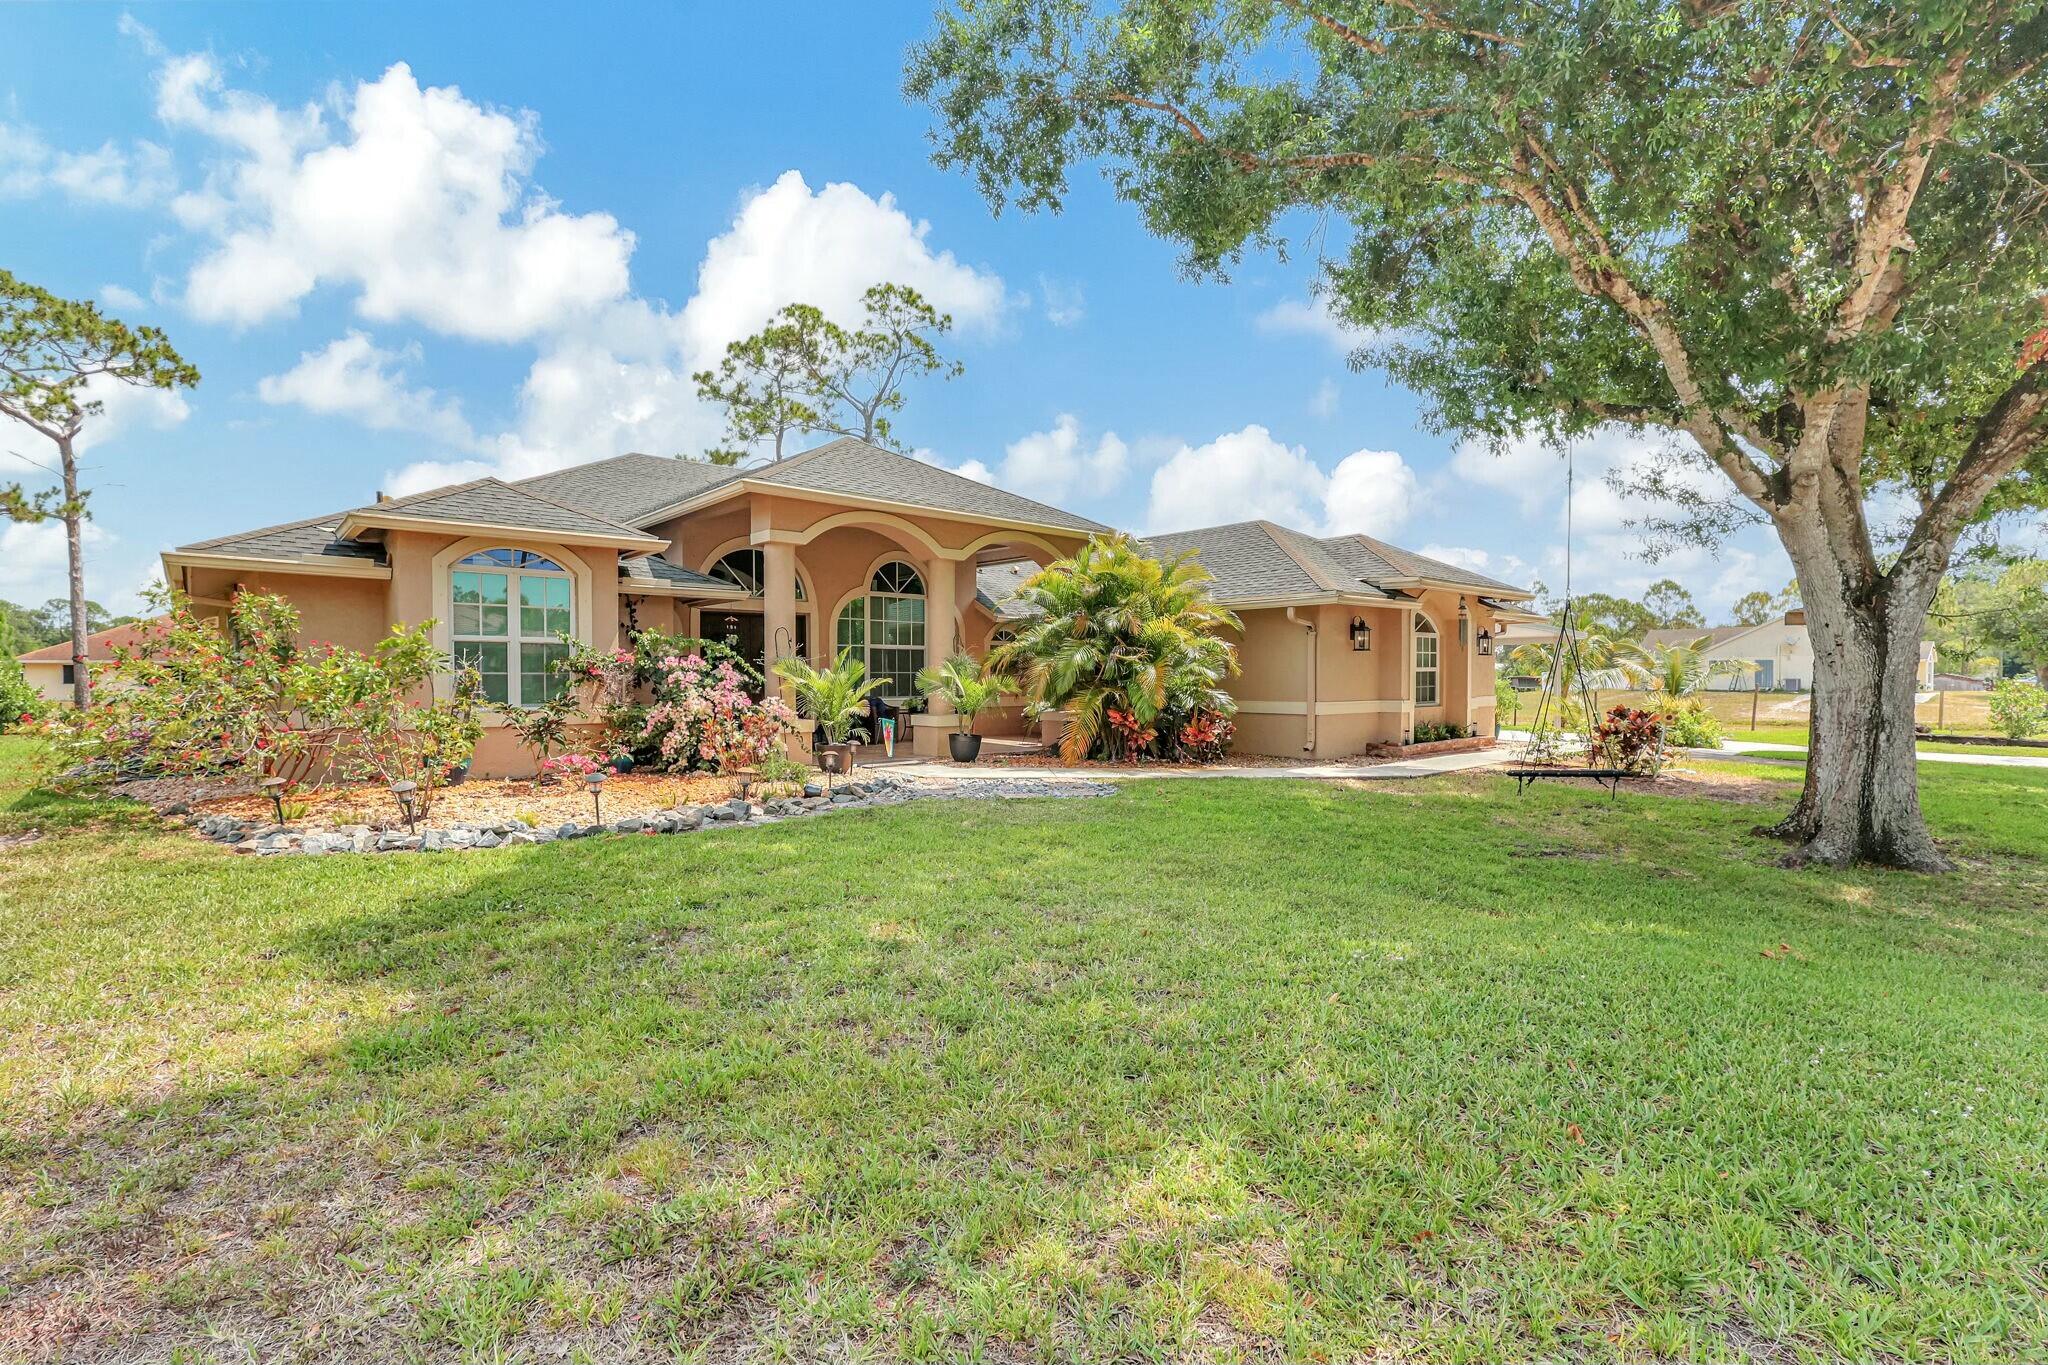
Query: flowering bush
x=609, y=674
x=571, y=767
x=1631, y=739
x=703, y=716
x=1690, y=725
x=190, y=698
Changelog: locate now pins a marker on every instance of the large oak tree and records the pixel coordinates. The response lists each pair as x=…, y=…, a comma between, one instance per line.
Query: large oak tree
x=1807, y=236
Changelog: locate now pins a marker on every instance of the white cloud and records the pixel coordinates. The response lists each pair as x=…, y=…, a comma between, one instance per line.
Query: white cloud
x=1065, y=301
x=125, y=408
x=790, y=244
x=117, y=296
x=355, y=378
x=1312, y=317
x=1464, y=556
x=1059, y=464
x=1324, y=403
x=111, y=174
x=420, y=203
x=33, y=565
x=971, y=469
x=1250, y=475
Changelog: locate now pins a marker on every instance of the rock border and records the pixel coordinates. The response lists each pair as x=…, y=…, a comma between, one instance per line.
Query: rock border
x=267, y=839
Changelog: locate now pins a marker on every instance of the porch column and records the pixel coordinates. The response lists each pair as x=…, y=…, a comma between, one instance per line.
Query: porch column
x=940, y=596
x=778, y=606
x=1407, y=656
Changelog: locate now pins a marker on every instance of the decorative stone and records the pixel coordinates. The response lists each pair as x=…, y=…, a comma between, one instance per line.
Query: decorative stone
x=488, y=840
x=632, y=824
x=813, y=789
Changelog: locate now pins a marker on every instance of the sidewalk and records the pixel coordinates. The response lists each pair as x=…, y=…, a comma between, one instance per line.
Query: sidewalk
x=1749, y=746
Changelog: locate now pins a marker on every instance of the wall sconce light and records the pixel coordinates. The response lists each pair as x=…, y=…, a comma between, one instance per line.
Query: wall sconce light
x=1361, y=635
x=1464, y=624
x=1485, y=642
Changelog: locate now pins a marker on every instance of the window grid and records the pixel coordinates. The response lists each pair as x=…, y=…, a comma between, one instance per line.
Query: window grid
x=1425, y=664
x=886, y=629
x=514, y=649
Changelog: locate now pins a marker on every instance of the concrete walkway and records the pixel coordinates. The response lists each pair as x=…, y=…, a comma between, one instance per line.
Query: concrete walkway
x=1430, y=766
x=1732, y=747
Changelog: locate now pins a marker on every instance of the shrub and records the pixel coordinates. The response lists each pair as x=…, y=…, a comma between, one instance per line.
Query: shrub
x=1204, y=737
x=1690, y=725
x=1429, y=732
x=1113, y=630
x=962, y=682
x=20, y=704
x=703, y=717
x=1629, y=739
x=832, y=698
x=2019, y=708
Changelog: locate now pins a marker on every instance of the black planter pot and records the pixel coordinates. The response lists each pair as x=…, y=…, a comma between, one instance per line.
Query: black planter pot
x=966, y=748
x=458, y=774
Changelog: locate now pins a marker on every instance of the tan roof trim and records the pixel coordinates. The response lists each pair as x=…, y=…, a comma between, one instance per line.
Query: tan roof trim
x=1453, y=585
x=712, y=496
x=370, y=518
x=335, y=567
x=1311, y=599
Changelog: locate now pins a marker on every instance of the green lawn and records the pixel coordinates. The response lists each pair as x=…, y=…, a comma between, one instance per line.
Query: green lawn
x=1199, y=1071
x=1797, y=734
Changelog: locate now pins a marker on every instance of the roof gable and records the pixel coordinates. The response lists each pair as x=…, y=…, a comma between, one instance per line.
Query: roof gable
x=494, y=503
x=632, y=487
x=853, y=468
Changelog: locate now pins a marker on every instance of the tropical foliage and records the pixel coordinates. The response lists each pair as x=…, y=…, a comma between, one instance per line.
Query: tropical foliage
x=1112, y=629
x=1594, y=660
x=962, y=682
x=1680, y=669
x=835, y=697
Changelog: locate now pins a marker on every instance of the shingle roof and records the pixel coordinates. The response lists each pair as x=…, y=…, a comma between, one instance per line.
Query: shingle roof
x=855, y=468
x=313, y=538
x=653, y=571
x=630, y=487
x=995, y=587
x=1257, y=560
x=492, y=502
x=1408, y=564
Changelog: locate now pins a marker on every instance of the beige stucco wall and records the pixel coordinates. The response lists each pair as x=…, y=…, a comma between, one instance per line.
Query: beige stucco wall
x=47, y=680
x=1360, y=698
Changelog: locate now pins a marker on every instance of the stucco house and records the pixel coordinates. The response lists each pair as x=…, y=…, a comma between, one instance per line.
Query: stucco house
x=49, y=669
x=1347, y=641
x=1779, y=652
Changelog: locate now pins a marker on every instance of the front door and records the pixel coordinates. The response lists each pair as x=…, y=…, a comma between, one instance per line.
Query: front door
x=746, y=632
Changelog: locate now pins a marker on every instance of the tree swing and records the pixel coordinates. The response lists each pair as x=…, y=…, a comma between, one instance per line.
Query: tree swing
x=1565, y=647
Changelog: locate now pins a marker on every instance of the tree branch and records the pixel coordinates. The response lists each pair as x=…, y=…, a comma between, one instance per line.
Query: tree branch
x=2009, y=431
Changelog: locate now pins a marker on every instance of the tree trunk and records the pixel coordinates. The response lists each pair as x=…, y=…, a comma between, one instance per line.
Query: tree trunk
x=74, y=544
x=1861, y=801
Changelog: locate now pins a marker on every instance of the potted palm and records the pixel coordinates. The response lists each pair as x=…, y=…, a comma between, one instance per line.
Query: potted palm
x=961, y=681
x=834, y=698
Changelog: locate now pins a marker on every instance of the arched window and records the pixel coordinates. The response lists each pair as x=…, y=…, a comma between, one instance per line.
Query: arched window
x=747, y=570
x=885, y=629
x=1425, y=662
x=507, y=614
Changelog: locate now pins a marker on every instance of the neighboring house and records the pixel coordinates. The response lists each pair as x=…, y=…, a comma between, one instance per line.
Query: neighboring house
x=1779, y=652
x=50, y=671
x=1961, y=682
x=848, y=546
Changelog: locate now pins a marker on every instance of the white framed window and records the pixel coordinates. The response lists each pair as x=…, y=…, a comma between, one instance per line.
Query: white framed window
x=746, y=570
x=1425, y=662
x=885, y=629
x=508, y=610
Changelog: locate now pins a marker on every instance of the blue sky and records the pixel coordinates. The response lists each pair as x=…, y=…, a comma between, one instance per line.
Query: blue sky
x=411, y=243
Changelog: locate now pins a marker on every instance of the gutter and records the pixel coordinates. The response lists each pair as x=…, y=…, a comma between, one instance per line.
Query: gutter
x=1308, y=744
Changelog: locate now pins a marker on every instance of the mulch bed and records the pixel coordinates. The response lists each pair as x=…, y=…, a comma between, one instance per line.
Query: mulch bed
x=478, y=801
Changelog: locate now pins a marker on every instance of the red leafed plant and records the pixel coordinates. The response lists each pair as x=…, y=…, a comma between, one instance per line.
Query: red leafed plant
x=1206, y=736
x=1631, y=739
x=1129, y=737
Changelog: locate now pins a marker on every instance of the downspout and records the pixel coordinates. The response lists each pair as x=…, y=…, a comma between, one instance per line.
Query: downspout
x=1308, y=745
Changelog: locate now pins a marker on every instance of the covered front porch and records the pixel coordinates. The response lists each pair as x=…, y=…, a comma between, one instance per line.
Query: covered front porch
x=790, y=577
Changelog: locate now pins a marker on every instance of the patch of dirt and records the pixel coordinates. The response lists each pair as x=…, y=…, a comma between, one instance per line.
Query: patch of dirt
x=8, y=841
x=166, y=793
x=1744, y=791
x=486, y=801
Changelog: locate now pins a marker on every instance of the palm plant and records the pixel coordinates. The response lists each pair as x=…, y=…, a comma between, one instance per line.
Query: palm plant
x=1678, y=670
x=962, y=682
x=1601, y=659
x=832, y=697
x=1113, y=629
